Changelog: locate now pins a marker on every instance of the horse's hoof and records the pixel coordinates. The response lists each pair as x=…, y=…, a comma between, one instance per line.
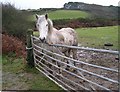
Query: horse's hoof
x=73, y=70
x=49, y=43
x=67, y=68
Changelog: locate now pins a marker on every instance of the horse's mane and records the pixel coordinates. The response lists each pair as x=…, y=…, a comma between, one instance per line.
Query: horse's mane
x=50, y=22
x=50, y=25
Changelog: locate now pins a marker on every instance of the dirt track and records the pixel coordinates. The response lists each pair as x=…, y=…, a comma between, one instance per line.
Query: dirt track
x=101, y=59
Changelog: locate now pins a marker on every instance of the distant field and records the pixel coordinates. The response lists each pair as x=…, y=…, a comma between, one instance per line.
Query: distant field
x=67, y=14
x=97, y=37
x=64, y=14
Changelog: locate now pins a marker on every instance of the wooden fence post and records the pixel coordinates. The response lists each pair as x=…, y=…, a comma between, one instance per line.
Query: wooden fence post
x=30, y=58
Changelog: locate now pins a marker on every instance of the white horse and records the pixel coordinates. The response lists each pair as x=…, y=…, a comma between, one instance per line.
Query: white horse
x=50, y=35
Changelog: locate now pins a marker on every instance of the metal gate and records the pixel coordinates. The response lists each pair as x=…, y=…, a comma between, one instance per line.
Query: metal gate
x=96, y=69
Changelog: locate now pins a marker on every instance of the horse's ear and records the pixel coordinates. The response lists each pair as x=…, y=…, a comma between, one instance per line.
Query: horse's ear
x=36, y=15
x=46, y=16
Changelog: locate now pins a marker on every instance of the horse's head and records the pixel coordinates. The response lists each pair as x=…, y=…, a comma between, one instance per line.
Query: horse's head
x=42, y=26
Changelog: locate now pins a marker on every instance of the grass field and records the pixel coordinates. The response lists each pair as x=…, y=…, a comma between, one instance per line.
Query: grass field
x=64, y=14
x=67, y=14
x=17, y=76
x=97, y=37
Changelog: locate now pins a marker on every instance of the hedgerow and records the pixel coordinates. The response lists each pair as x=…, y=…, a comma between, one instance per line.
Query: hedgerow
x=14, y=21
x=11, y=45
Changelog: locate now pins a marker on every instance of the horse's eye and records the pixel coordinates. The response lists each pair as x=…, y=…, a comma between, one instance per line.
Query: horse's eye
x=37, y=25
x=46, y=24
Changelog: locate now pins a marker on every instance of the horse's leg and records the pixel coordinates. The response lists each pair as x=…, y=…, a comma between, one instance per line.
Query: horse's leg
x=67, y=54
x=59, y=65
x=74, y=57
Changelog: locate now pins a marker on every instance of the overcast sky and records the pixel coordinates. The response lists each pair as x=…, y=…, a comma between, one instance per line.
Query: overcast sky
x=36, y=4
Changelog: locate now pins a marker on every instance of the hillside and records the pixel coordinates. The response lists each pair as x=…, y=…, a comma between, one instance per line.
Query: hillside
x=67, y=14
x=77, y=14
x=61, y=14
x=98, y=11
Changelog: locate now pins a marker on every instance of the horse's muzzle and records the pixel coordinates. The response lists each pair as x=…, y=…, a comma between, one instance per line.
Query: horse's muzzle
x=42, y=40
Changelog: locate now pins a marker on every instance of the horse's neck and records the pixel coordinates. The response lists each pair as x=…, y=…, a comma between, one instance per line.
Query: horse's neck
x=50, y=31
x=50, y=35
x=55, y=37
x=50, y=27
x=53, y=34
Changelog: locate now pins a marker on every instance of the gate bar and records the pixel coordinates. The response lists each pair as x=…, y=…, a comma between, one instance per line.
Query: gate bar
x=59, y=74
x=105, y=68
x=79, y=76
x=82, y=48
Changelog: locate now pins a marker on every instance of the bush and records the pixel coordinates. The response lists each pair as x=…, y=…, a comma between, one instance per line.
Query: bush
x=12, y=45
x=84, y=22
x=14, y=21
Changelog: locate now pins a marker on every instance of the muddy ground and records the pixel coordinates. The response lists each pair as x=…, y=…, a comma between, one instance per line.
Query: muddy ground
x=100, y=59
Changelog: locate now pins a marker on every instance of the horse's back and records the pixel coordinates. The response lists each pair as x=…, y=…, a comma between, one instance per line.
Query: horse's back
x=68, y=29
x=70, y=36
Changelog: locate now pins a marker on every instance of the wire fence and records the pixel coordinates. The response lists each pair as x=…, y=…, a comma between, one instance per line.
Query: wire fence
x=84, y=75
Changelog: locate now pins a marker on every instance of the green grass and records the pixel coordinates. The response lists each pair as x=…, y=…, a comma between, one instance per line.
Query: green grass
x=0, y=59
x=31, y=78
x=36, y=33
x=67, y=14
x=63, y=14
x=97, y=37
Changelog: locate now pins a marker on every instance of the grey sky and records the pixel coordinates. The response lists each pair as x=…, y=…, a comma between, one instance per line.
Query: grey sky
x=36, y=4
